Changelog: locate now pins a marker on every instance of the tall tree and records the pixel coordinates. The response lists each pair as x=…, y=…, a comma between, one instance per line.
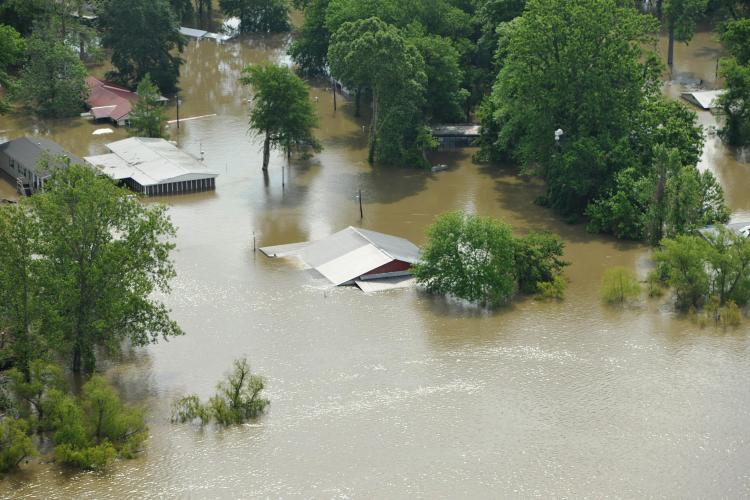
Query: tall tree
x=370, y=53
x=259, y=16
x=310, y=47
x=144, y=37
x=52, y=83
x=12, y=48
x=147, y=118
x=282, y=112
x=680, y=17
x=735, y=103
x=103, y=256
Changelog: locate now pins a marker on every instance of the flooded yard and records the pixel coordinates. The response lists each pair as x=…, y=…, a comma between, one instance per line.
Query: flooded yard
x=402, y=394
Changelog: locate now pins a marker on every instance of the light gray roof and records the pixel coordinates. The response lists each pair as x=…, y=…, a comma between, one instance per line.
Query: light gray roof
x=704, y=99
x=29, y=150
x=192, y=32
x=456, y=130
x=349, y=254
x=740, y=228
x=150, y=162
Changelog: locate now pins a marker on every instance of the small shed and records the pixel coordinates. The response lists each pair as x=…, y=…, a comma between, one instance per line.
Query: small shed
x=704, y=99
x=154, y=167
x=19, y=162
x=355, y=256
x=452, y=136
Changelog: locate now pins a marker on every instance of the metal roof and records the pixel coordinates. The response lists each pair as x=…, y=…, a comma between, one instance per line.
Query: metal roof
x=705, y=99
x=29, y=150
x=349, y=254
x=456, y=130
x=192, y=32
x=108, y=100
x=150, y=162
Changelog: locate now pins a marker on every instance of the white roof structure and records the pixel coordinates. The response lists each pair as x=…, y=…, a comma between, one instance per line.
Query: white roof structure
x=704, y=99
x=149, y=162
x=192, y=32
x=351, y=255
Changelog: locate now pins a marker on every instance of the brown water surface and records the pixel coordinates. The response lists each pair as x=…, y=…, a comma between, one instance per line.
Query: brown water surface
x=402, y=394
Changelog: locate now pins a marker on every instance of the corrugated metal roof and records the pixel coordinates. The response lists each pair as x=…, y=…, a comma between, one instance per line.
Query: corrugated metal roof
x=456, y=130
x=192, y=32
x=29, y=150
x=705, y=99
x=108, y=100
x=150, y=162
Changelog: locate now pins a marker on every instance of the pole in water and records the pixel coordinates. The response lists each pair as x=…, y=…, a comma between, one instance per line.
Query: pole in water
x=361, y=213
x=254, y=242
x=282, y=178
x=333, y=81
x=178, y=110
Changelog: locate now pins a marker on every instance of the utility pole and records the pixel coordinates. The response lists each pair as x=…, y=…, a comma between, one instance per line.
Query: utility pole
x=361, y=213
x=178, y=110
x=333, y=81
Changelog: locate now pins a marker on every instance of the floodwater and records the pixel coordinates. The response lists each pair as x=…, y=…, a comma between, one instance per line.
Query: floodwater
x=402, y=394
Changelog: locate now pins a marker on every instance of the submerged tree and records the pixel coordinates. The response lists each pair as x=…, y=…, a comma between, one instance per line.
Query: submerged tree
x=282, y=112
x=12, y=48
x=147, y=118
x=102, y=256
x=144, y=38
x=258, y=16
x=681, y=17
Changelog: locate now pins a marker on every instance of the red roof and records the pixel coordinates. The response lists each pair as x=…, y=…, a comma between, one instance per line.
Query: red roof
x=108, y=100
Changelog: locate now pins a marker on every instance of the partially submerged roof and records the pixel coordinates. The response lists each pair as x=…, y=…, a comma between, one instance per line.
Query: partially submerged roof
x=108, y=100
x=704, y=99
x=192, y=32
x=350, y=254
x=29, y=150
x=740, y=228
x=150, y=162
x=456, y=130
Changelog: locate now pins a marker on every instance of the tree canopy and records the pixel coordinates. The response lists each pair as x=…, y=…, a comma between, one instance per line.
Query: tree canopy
x=12, y=48
x=147, y=118
x=259, y=16
x=282, y=112
x=143, y=36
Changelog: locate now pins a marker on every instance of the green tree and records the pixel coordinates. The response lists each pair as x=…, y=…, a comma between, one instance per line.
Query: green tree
x=102, y=257
x=22, y=14
x=310, y=47
x=735, y=102
x=578, y=66
x=144, y=38
x=538, y=261
x=693, y=200
x=238, y=399
x=728, y=257
x=619, y=285
x=52, y=82
x=372, y=54
x=32, y=391
x=282, y=112
x=680, y=17
x=147, y=118
x=259, y=16
x=15, y=443
x=682, y=262
x=469, y=257
x=12, y=48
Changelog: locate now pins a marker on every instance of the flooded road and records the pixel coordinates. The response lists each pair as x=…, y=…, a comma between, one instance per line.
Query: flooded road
x=402, y=394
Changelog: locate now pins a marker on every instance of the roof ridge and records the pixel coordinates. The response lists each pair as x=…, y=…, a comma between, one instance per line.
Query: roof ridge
x=380, y=249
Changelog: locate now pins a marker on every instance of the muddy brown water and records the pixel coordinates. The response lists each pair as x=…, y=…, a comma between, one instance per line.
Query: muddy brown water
x=401, y=394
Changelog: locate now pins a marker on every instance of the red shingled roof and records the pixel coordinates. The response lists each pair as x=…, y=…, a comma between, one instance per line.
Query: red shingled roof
x=108, y=100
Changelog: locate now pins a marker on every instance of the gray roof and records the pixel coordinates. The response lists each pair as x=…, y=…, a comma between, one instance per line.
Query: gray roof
x=29, y=150
x=150, y=162
x=456, y=130
x=704, y=99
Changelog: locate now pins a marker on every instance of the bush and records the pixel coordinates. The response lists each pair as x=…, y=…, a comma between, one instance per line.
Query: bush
x=655, y=284
x=619, y=285
x=237, y=400
x=538, y=261
x=15, y=443
x=729, y=315
x=97, y=457
x=554, y=289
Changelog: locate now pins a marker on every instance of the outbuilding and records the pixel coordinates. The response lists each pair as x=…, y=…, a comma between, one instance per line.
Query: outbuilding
x=21, y=162
x=354, y=256
x=154, y=167
x=454, y=136
x=704, y=99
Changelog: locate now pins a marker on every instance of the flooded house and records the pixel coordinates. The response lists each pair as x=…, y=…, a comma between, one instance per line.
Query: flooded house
x=154, y=167
x=455, y=136
x=109, y=102
x=373, y=261
x=21, y=162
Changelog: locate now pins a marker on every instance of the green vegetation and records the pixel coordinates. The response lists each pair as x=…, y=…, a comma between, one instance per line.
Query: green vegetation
x=735, y=70
x=12, y=48
x=478, y=259
x=147, y=118
x=700, y=270
x=619, y=285
x=78, y=266
x=282, y=112
x=52, y=83
x=144, y=38
x=680, y=17
x=237, y=400
x=258, y=16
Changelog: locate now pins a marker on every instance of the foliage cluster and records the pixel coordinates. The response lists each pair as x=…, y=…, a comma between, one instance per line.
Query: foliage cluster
x=237, y=400
x=259, y=16
x=478, y=259
x=735, y=103
x=147, y=117
x=619, y=285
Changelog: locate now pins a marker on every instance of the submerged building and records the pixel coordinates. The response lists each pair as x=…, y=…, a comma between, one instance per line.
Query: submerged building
x=154, y=167
x=21, y=162
x=373, y=261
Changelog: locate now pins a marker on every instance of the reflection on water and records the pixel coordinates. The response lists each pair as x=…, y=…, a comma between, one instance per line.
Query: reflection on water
x=402, y=393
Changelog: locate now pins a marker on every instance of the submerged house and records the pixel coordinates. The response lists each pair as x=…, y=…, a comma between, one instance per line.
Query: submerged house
x=154, y=167
x=372, y=261
x=110, y=102
x=20, y=162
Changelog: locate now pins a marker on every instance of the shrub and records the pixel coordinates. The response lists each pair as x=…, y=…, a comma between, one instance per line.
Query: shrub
x=538, y=260
x=619, y=285
x=729, y=315
x=15, y=443
x=554, y=289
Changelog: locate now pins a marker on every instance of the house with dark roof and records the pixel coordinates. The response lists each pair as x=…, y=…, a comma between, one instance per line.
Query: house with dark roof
x=20, y=162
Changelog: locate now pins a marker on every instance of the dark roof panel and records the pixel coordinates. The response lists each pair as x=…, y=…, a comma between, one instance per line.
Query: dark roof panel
x=29, y=150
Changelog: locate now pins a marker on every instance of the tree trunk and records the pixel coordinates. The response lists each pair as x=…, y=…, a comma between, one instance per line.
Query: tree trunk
x=76, y=358
x=356, y=103
x=373, y=126
x=659, y=8
x=670, y=49
x=266, y=151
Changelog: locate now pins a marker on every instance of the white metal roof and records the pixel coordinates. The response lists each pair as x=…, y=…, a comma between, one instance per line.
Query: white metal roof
x=150, y=162
x=349, y=254
x=192, y=32
x=705, y=99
